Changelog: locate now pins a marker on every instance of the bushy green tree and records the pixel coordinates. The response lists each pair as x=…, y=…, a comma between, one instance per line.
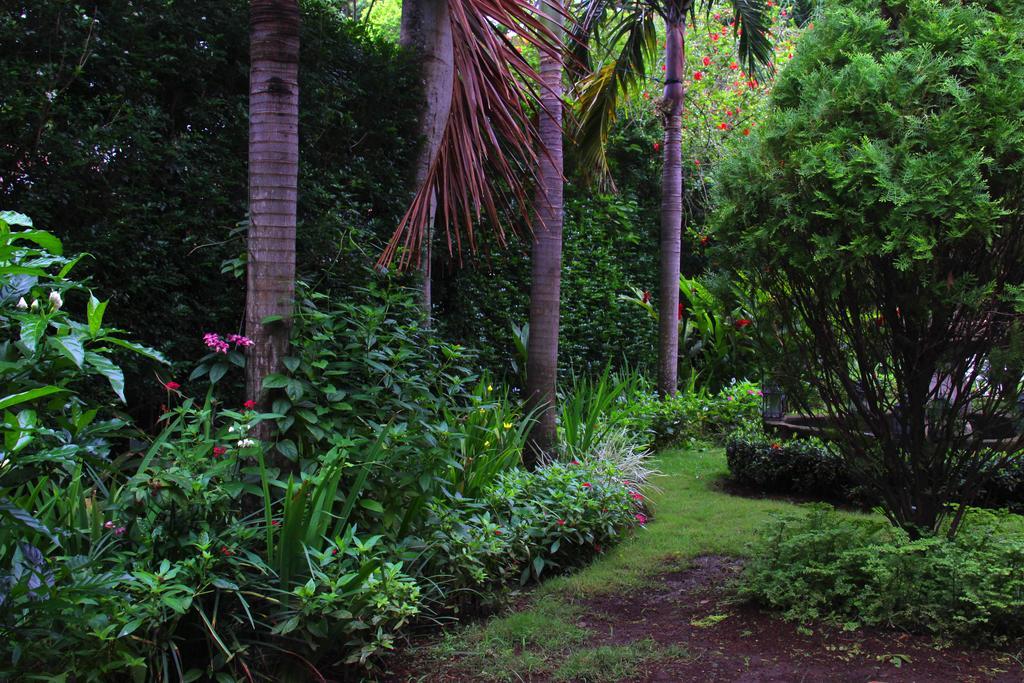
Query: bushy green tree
x=880, y=209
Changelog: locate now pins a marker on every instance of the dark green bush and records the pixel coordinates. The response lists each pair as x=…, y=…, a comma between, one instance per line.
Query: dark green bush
x=795, y=467
x=808, y=468
x=125, y=130
x=858, y=571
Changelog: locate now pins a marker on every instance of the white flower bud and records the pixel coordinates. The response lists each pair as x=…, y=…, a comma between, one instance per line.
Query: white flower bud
x=55, y=300
x=35, y=305
x=22, y=304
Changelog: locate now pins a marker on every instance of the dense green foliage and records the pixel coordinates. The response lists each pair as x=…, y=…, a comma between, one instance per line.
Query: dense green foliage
x=860, y=571
x=808, y=468
x=801, y=467
x=689, y=416
x=878, y=209
x=125, y=132
x=203, y=555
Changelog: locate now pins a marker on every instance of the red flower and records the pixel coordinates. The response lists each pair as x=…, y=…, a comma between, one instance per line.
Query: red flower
x=561, y=522
x=707, y=61
x=742, y=322
x=704, y=239
x=697, y=75
x=586, y=484
x=714, y=36
x=172, y=386
x=734, y=66
x=657, y=146
x=645, y=297
x=680, y=310
x=635, y=496
x=249, y=405
x=746, y=131
x=723, y=126
x=219, y=451
x=497, y=532
x=776, y=446
x=275, y=522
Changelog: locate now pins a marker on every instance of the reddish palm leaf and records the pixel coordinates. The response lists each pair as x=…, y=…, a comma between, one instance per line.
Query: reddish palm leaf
x=487, y=158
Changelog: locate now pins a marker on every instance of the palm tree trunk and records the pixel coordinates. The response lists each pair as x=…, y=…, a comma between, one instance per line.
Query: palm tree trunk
x=273, y=184
x=671, y=211
x=546, y=262
x=426, y=28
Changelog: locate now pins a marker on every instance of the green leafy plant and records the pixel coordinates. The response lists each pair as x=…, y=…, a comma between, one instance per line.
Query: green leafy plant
x=852, y=570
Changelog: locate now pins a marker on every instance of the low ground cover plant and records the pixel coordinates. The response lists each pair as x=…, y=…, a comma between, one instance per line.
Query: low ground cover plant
x=864, y=571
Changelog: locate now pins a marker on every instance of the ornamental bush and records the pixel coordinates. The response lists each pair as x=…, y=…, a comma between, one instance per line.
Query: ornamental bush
x=878, y=211
x=859, y=571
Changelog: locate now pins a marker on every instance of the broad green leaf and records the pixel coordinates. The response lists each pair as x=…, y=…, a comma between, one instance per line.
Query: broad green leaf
x=275, y=381
x=30, y=395
x=71, y=347
x=109, y=370
x=32, y=329
x=95, y=311
x=42, y=238
x=217, y=372
x=140, y=349
x=15, y=218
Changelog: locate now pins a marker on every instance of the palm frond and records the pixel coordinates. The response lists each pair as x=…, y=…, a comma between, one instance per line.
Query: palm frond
x=755, y=48
x=598, y=94
x=487, y=158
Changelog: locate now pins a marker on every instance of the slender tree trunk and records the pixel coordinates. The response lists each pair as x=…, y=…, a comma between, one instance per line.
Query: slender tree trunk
x=273, y=184
x=546, y=262
x=426, y=28
x=671, y=211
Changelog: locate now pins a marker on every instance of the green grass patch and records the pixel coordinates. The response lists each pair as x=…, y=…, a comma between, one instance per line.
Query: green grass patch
x=609, y=663
x=692, y=517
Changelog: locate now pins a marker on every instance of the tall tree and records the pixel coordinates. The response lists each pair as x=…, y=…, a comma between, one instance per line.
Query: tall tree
x=630, y=30
x=427, y=29
x=546, y=263
x=273, y=184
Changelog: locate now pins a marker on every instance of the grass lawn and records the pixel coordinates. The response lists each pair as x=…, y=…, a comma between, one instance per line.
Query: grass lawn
x=691, y=517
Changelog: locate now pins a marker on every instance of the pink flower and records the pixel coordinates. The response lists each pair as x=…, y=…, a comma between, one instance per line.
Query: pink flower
x=172, y=386
x=219, y=451
x=561, y=522
x=635, y=496
x=119, y=531
x=249, y=405
x=575, y=462
x=239, y=340
x=108, y=525
x=214, y=342
x=641, y=518
x=586, y=484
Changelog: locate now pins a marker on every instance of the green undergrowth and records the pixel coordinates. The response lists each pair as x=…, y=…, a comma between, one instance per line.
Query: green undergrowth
x=691, y=517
